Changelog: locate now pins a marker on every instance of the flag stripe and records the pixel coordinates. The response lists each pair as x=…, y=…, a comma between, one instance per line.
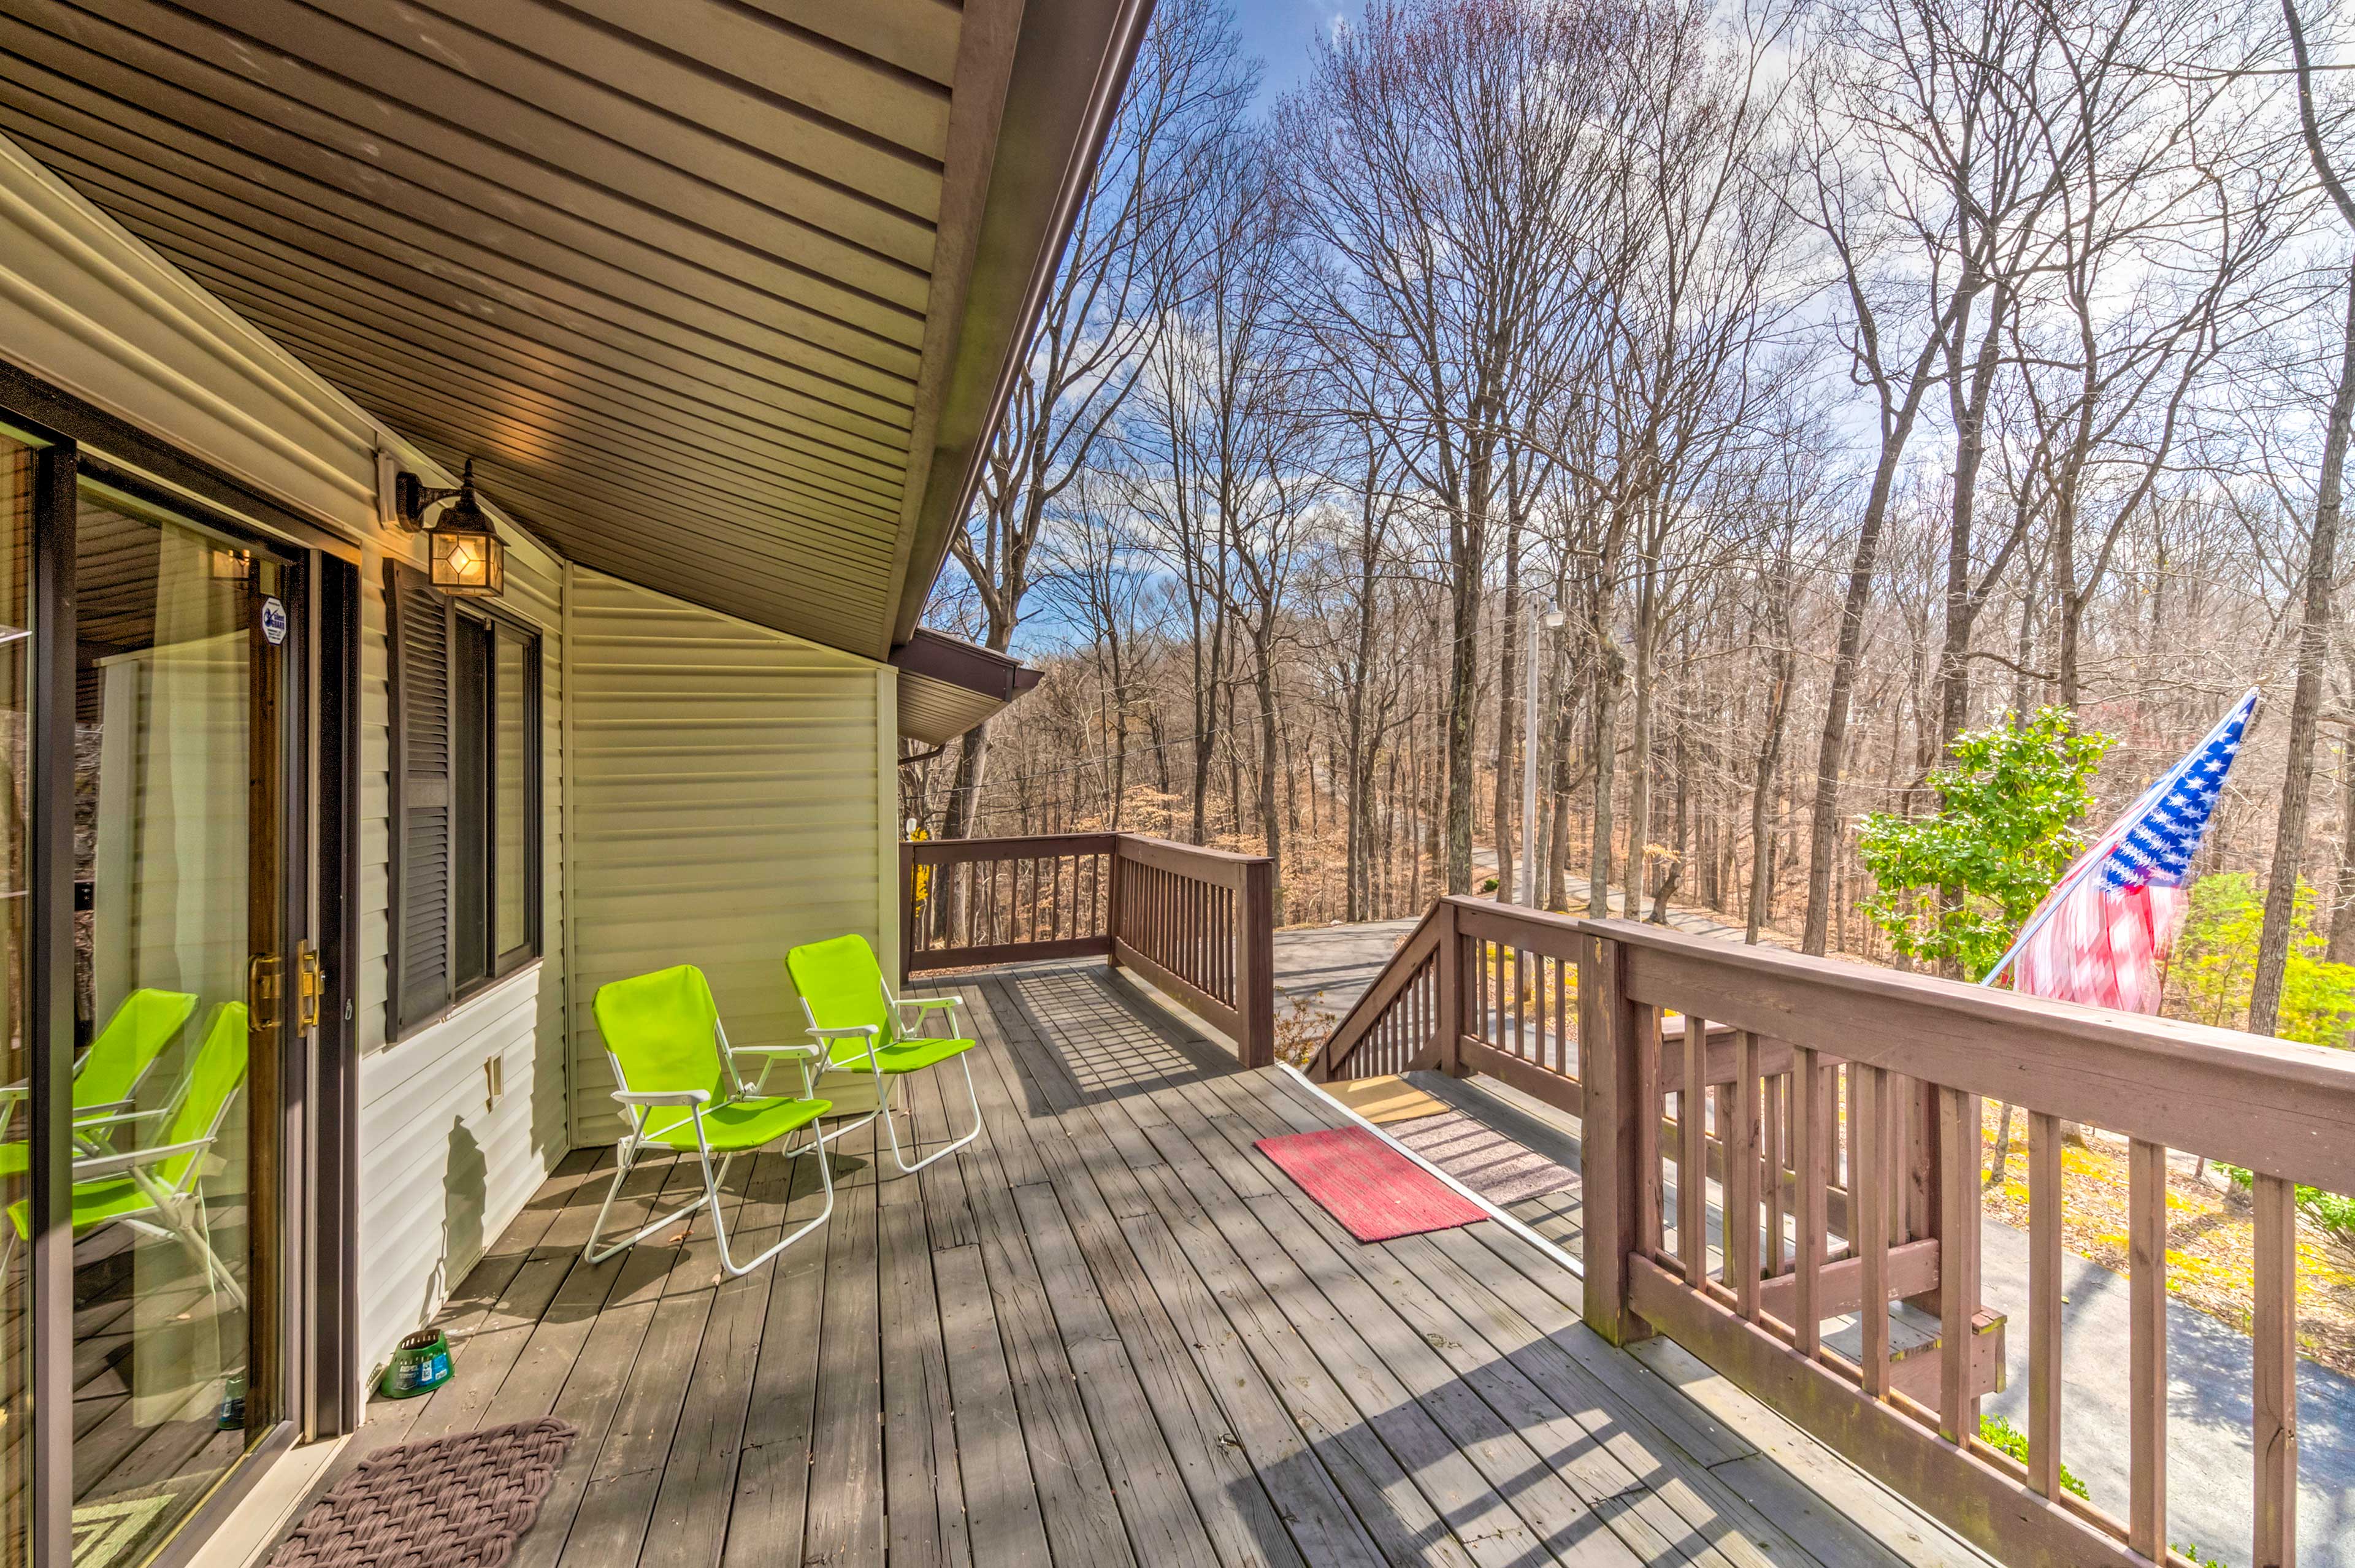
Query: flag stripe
x=2103, y=936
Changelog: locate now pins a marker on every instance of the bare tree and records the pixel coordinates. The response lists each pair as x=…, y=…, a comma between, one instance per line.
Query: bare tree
x=2315, y=599
x=1434, y=152
x=1130, y=246
x=1880, y=95
x=1696, y=302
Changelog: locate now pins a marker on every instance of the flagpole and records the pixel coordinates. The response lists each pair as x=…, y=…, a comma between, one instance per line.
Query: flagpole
x=2052, y=899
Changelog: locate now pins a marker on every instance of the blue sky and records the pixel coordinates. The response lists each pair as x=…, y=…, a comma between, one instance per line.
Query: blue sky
x=1279, y=31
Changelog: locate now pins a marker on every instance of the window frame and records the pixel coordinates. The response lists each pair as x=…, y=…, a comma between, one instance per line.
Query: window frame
x=470, y=882
x=534, y=821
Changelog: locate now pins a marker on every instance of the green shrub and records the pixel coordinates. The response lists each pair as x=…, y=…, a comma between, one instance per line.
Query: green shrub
x=2004, y=1439
x=2333, y=1211
x=2216, y=961
x=1953, y=888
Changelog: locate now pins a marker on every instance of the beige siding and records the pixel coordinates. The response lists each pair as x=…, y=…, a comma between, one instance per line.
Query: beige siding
x=442, y=1170
x=738, y=794
x=731, y=798
x=90, y=309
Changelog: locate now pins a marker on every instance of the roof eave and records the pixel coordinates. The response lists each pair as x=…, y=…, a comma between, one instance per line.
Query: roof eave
x=1070, y=63
x=948, y=686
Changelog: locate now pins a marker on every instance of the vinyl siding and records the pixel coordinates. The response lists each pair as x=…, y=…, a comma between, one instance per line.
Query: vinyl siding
x=88, y=308
x=731, y=797
x=91, y=310
x=741, y=797
x=442, y=1171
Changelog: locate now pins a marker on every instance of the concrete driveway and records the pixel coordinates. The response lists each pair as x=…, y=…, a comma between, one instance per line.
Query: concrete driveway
x=2210, y=1465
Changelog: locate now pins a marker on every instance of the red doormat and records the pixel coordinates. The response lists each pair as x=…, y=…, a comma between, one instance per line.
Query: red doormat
x=1368, y=1185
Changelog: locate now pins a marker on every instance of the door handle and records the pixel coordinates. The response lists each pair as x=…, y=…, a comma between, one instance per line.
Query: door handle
x=310, y=985
x=265, y=987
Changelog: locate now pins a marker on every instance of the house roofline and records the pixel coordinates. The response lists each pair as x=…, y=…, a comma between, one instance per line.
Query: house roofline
x=1056, y=96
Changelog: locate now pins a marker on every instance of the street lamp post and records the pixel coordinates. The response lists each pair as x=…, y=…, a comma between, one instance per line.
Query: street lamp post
x=1551, y=619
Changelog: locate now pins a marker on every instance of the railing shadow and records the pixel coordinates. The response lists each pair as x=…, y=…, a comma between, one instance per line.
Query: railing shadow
x=1107, y=1036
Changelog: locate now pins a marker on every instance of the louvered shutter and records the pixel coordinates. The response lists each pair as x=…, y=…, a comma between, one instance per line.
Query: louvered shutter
x=423, y=630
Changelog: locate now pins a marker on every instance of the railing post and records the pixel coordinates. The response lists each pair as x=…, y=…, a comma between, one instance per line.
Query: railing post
x=1255, y=965
x=1450, y=959
x=907, y=909
x=1112, y=863
x=1611, y=1170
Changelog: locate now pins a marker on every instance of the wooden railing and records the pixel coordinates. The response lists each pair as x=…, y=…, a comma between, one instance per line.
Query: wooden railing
x=1840, y=1113
x=966, y=902
x=1198, y=923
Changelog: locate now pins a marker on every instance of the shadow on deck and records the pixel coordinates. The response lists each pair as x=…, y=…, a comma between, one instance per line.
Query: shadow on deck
x=1109, y=1333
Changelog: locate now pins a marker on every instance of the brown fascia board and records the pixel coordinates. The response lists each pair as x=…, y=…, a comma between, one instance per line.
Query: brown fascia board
x=938, y=656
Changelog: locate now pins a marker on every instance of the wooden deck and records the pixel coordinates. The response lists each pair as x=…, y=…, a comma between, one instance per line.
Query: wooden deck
x=1110, y=1332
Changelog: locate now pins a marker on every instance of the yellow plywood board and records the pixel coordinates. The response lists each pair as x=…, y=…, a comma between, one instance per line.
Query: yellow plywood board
x=1380, y=1100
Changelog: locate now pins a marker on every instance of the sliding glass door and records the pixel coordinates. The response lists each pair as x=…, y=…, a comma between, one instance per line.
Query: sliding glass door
x=21, y=473
x=158, y=1046
x=177, y=698
x=184, y=639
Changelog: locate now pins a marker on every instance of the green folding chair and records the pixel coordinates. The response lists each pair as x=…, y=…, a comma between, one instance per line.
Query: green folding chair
x=682, y=1090
x=107, y=1076
x=854, y=1015
x=159, y=1190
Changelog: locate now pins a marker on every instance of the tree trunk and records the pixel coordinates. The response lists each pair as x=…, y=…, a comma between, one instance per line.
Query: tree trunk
x=1414, y=821
x=1387, y=886
x=1508, y=710
x=1557, y=887
x=1154, y=732
x=1206, y=725
x=1609, y=675
x=1823, y=826
x=963, y=813
x=1361, y=763
x=1271, y=823
x=1761, y=788
x=2306, y=701
x=2342, y=912
x=1434, y=813
x=2073, y=618
x=1639, y=761
x=2314, y=631
x=1682, y=764
x=1970, y=451
x=1119, y=784
x=1464, y=665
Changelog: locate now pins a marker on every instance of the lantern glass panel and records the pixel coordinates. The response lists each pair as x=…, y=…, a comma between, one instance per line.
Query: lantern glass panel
x=469, y=563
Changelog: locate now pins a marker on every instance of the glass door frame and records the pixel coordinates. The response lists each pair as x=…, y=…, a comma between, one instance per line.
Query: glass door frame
x=310, y=1359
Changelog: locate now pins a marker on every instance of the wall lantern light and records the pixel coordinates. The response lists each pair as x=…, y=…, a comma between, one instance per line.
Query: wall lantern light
x=469, y=560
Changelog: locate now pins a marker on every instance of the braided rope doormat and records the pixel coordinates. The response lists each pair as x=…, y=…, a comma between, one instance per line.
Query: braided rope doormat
x=454, y=1502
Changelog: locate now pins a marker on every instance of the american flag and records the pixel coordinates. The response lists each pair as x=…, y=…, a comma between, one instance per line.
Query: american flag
x=2102, y=934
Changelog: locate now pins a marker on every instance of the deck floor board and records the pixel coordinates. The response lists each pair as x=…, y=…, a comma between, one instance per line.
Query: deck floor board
x=1107, y=1332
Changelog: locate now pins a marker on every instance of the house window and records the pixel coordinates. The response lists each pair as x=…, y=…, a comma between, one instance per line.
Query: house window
x=467, y=798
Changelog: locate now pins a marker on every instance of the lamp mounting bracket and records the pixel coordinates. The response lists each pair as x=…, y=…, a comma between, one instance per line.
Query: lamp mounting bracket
x=412, y=498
